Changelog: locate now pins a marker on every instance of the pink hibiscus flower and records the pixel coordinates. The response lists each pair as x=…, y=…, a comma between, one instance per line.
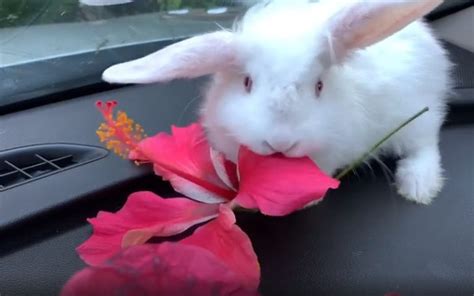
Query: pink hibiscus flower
x=144, y=215
x=217, y=259
x=274, y=185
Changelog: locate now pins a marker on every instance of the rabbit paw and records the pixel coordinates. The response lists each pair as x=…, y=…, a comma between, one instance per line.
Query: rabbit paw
x=419, y=176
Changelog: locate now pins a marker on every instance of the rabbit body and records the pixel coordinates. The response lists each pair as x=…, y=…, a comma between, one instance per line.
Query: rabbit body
x=363, y=98
x=326, y=80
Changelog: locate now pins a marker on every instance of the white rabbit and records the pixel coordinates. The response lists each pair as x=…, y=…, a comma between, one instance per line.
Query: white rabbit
x=325, y=80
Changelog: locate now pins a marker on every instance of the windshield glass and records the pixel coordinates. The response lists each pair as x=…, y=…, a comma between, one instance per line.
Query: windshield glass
x=51, y=45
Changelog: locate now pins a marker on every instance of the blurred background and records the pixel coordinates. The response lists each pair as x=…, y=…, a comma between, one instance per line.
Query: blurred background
x=49, y=46
x=28, y=12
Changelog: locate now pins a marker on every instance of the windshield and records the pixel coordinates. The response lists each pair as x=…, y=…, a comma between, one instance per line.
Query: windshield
x=51, y=45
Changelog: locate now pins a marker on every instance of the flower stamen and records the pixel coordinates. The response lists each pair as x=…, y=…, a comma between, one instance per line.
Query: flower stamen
x=120, y=134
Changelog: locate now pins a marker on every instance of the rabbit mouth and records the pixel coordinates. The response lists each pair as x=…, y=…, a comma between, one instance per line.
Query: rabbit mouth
x=263, y=149
x=292, y=150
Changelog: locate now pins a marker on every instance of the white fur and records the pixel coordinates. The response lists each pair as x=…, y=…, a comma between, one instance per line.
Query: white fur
x=284, y=49
x=372, y=83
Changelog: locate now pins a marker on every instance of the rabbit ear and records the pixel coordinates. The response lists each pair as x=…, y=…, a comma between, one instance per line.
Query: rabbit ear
x=364, y=23
x=194, y=57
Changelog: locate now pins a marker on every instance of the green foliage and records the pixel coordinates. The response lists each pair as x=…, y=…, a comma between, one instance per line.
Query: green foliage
x=171, y=4
x=199, y=3
x=177, y=4
x=28, y=12
x=31, y=12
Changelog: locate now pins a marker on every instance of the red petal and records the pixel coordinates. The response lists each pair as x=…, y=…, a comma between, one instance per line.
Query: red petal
x=184, y=159
x=230, y=244
x=143, y=216
x=278, y=185
x=167, y=269
x=225, y=169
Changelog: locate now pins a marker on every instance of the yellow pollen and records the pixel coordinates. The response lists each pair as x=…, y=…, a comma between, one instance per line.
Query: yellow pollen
x=120, y=134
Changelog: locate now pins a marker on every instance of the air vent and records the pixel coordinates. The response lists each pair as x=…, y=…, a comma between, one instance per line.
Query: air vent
x=26, y=164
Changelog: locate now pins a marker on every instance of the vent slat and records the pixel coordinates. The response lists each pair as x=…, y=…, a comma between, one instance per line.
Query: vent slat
x=7, y=174
x=47, y=161
x=25, y=169
x=64, y=161
x=26, y=164
x=18, y=169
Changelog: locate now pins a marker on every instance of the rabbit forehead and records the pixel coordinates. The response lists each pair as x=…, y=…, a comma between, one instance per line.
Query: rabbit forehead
x=290, y=59
x=283, y=41
x=283, y=23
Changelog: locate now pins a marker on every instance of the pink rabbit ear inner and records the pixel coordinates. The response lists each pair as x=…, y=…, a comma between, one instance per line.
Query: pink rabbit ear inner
x=191, y=58
x=364, y=23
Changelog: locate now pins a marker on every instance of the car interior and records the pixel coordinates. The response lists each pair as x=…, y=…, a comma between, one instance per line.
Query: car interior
x=363, y=239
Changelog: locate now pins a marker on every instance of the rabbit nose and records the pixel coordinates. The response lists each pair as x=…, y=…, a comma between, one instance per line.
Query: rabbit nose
x=280, y=146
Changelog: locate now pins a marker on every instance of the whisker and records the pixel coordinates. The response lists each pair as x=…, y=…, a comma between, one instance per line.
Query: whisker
x=368, y=164
x=388, y=174
x=180, y=118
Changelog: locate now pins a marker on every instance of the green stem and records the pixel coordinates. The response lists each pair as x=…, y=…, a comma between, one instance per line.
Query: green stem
x=376, y=146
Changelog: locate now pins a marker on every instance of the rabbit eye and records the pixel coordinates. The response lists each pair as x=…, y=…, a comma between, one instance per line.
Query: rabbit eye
x=248, y=84
x=319, y=88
